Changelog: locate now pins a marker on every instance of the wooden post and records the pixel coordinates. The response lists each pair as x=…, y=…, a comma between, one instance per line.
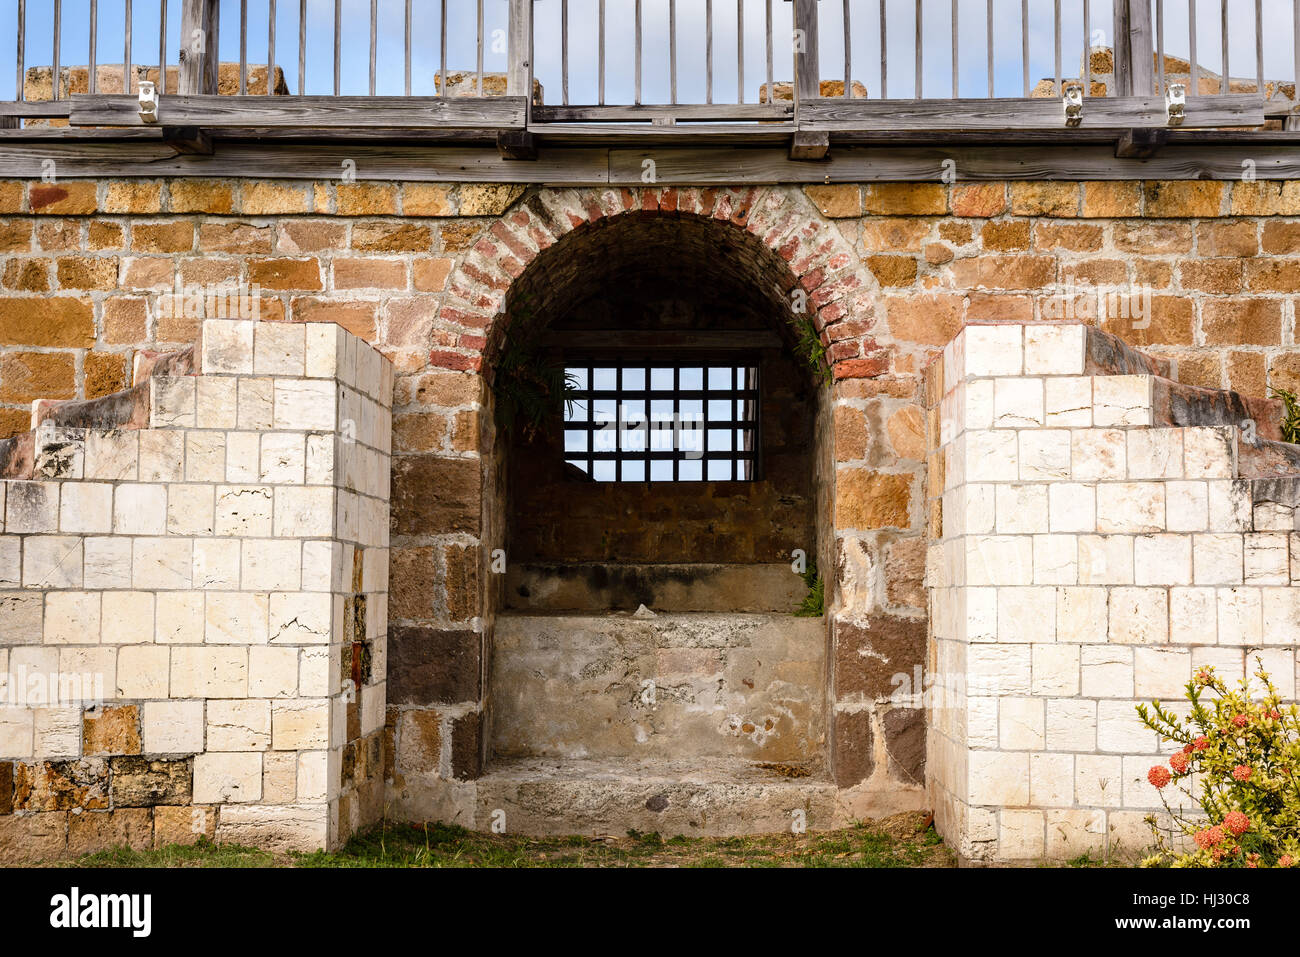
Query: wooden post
x=1134, y=49
x=807, y=73
x=199, y=55
x=519, y=76
x=519, y=144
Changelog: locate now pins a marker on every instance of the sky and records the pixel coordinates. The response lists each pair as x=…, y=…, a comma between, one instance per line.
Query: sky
x=691, y=46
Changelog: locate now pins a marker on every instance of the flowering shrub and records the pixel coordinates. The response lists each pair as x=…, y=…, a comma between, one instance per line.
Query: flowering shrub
x=1246, y=756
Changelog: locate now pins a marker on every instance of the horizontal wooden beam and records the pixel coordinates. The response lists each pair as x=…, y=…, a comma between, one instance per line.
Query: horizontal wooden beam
x=1118, y=113
x=35, y=108
x=855, y=164
x=307, y=112
x=22, y=154
x=682, y=112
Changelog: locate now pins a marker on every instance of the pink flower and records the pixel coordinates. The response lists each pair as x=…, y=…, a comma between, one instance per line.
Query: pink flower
x=1275, y=715
x=1201, y=743
x=1236, y=822
x=1179, y=762
x=1242, y=772
x=1188, y=749
x=1209, y=837
x=1158, y=776
x=1240, y=720
x=1285, y=861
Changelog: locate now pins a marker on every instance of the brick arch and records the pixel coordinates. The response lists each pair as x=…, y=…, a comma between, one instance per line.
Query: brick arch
x=806, y=247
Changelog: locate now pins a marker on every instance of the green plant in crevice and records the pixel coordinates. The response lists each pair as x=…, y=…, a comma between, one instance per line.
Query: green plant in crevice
x=808, y=346
x=814, y=603
x=1291, y=420
x=530, y=387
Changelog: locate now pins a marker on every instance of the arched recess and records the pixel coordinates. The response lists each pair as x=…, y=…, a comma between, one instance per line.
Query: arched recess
x=765, y=249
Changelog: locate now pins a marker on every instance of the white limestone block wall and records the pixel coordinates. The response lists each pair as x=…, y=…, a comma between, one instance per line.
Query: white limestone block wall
x=1092, y=556
x=215, y=579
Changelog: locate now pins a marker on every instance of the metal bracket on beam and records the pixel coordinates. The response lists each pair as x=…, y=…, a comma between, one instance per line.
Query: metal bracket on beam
x=517, y=145
x=148, y=102
x=1176, y=103
x=1072, y=102
x=809, y=145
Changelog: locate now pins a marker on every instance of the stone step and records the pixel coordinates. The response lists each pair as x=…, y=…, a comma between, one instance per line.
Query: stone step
x=1180, y=405
x=1108, y=354
x=707, y=687
x=592, y=586
x=127, y=409
x=546, y=798
x=148, y=364
x=1267, y=459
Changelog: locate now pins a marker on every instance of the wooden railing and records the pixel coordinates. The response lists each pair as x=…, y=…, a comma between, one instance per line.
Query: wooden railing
x=806, y=67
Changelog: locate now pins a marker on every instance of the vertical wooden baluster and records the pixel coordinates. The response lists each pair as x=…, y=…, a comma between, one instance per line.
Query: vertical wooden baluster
x=1024, y=42
x=884, y=51
x=270, y=48
x=988, y=32
x=1259, y=47
x=672, y=51
x=162, y=46
x=1295, y=55
x=126, y=55
x=564, y=51
x=91, y=70
x=1195, y=78
x=638, y=52
x=20, y=80
x=848, y=52
x=1087, y=48
x=58, y=41
x=338, y=46
x=956, y=59
x=478, y=62
x=920, y=52
x=600, y=44
x=771, y=91
x=302, y=47
x=1225, y=85
x=708, y=51
x=374, y=43
x=1160, y=46
x=442, y=52
x=1060, y=91
x=406, y=37
x=740, y=62
x=243, y=47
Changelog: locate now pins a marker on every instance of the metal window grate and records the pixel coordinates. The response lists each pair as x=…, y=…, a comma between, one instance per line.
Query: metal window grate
x=654, y=421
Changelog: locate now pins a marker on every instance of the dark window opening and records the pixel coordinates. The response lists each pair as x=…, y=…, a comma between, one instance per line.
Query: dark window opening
x=663, y=421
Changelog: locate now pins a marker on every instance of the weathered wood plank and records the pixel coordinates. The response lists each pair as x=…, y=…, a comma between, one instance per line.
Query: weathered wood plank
x=199, y=59
x=806, y=70
x=314, y=161
x=313, y=112
x=130, y=154
x=702, y=167
x=1134, y=45
x=678, y=111
x=38, y=108
x=519, y=78
x=1018, y=113
x=674, y=134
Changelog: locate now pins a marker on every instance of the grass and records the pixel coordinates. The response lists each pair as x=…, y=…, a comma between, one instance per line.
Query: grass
x=904, y=840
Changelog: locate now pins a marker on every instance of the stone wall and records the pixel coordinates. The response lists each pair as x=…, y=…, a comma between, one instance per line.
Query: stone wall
x=193, y=601
x=1106, y=533
x=891, y=272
